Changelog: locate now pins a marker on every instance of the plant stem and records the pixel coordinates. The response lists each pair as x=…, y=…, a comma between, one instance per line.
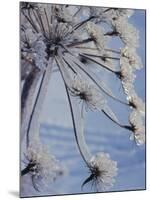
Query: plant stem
x=34, y=123
x=27, y=99
x=104, y=66
x=80, y=42
x=83, y=149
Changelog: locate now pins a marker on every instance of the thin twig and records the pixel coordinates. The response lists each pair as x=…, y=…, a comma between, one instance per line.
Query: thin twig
x=122, y=126
x=80, y=42
x=104, y=66
x=89, y=75
x=99, y=56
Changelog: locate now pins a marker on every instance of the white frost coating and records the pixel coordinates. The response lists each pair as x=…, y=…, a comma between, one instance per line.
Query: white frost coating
x=45, y=167
x=139, y=136
x=132, y=58
x=135, y=118
x=136, y=121
x=86, y=92
x=79, y=125
x=31, y=36
x=127, y=32
x=26, y=111
x=126, y=71
x=138, y=103
x=61, y=31
x=85, y=72
x=63, y=14
x=98, y=12
x=127, y=76
x=124, y=12
x=116, y=14
x=97, y=34
x=90, y=96
x=104, y=169
x=39, y=55
x=65, y=71
x=46, y=164
x=35, y=121
x=35, y=51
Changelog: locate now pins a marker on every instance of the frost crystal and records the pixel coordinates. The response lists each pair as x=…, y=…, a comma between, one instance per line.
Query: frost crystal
x=127, y=76
x=39, y=55
x=98, y=12
x=133, y=59
x=79, y=43
x=103, y=170
x=138, y=125
x=87, y=93
x=139, y=135
x=63, y=14
x=126, y=70
x=41, y=165
x=115, y=14
x=137, y=103
x=127, y=32
x=97, y=34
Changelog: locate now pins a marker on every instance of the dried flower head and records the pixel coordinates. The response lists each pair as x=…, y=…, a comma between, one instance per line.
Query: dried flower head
x=97, y=35
x=138, y=127
x=87, y=93
x=137, y=103
x=132, y=58
x=127, y=32
x=42, y=166
x=103, y=170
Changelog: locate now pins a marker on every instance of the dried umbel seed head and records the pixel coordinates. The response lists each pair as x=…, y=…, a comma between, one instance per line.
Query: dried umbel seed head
x=138, y=127
x=97, y=34
x=87, y=93
x=28, y=5
x=132, y=57
x=103, y=170
x=41, y=165
x=137, y=103
x=127, y=32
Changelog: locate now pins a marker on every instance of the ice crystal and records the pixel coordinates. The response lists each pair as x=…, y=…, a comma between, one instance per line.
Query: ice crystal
x=132, y=58
x=87, y=93
x=127, y=32
x=138, y=127
x=41, y=165
x=103, y=170
x=137, y=102
x=97, y=34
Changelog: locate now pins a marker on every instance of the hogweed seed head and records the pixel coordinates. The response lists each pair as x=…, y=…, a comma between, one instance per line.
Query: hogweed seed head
x=103, y=170
x=97, y=34
x=42, y=166
x=87, y=93
x=128, y=33
x=138, y=126
x=132, y=58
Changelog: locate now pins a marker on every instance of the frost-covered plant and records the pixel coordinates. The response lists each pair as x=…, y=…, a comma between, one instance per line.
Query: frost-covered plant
x=40, y=165
x=74, y=40
x=102, y=171
x=87, y=93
